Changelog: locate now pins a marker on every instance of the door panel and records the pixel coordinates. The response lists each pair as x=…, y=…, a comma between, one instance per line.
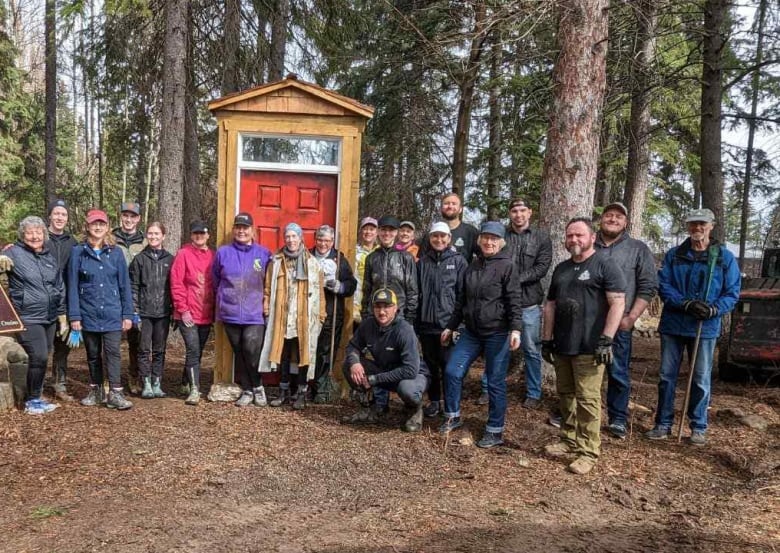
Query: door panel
x=275, y=198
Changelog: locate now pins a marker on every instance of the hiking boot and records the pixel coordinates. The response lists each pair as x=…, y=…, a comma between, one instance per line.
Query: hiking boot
x=555, y=420
x=63, y=395
x=532, y=403
x=147, y=392
x=490, y=439
x=158, y=392
x=282, y=398
x=116, y=400
x=414, y=422
x=245, y=398
x=184, y=389
x=559, y=449
x=193, y=398
x=618, y=430
x=359, y=417
x=658, y=433
x=431, y=410
x=259, y=399
x=133, y=387
x=300, y=399
x=452, y=423
x=582, y=465
x=483, y=399
x=95, y=397
x=377, y=413
x=697, y=438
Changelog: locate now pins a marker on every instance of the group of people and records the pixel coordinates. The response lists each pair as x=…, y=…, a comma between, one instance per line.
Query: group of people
x=424, y=311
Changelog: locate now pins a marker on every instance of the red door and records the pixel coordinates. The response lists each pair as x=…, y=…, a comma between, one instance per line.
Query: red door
x=276, y=198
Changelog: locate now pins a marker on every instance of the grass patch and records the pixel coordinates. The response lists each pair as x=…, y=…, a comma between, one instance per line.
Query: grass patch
x=47, y=511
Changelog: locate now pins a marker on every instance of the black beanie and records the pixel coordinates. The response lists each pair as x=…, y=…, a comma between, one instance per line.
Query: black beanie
x=59, y=202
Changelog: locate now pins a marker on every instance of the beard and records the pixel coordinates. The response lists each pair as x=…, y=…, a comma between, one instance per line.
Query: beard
x=576, y=250
x=449, y=216
x=610, y=234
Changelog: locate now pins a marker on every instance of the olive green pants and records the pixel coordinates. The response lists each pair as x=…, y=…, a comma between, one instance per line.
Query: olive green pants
x=579, y=386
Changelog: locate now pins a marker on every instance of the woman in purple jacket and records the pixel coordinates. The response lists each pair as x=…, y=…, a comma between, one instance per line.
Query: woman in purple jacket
x=239, y=276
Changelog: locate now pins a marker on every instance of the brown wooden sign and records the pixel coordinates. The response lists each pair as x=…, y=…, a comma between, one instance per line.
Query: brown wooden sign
x=9, y=320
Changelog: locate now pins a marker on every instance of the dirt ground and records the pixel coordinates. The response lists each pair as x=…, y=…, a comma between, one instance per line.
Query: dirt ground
x=164, y=477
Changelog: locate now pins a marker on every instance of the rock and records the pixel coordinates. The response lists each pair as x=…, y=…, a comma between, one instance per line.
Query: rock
x=466, y=440
x=523, y=462
x=13, y=364
x=731, y=411
x=224, y=392
x=755, y=422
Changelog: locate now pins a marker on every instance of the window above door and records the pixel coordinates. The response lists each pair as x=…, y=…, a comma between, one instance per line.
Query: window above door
x=297, y=153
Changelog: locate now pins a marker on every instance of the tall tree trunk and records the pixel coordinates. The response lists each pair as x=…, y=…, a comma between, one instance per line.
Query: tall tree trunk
x=261, y=42
x=173, y=125
x=494, y=137
x=467, y=86
x=51, y=101
x=638, y=170
x=230, y=42
x=603, y=191
x=711, y=97
x=279, y=24
x=755, y=85
x=572, y=154
x=192, y=189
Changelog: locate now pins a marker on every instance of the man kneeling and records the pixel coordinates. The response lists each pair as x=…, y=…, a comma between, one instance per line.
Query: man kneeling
x=383, y=353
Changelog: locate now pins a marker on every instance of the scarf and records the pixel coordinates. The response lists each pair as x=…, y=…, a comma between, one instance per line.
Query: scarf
x=300, y=262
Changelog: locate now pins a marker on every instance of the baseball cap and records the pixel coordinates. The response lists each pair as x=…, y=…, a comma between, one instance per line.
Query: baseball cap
x=368, y=221
x=384, y=295
x=132, y=207
x=59, y=202
x=389, y=221
x=697, y=215
x=407, y=224
x=516, y=202
x=493, y=227
x=94, y=215
x=198, y=226
x=619, y=206
x=244, y=219
x=441, y=226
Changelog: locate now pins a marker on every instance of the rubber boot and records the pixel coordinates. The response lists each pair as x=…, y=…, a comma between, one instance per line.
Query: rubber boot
x=300, y=399
x=147, y=392
x=194, y=395
x=156, y=388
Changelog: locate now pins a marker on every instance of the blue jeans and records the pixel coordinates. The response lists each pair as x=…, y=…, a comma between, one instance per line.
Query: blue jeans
x=496, y=350
x=619, y=379
x=531, y=339
x=671, y=357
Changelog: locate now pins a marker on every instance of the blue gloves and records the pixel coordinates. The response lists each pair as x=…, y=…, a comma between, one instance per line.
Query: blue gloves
x=74, y=339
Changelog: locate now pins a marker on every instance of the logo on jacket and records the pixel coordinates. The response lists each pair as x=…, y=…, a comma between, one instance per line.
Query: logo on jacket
x=584, y=276
x=459, y=242
x=258, y=265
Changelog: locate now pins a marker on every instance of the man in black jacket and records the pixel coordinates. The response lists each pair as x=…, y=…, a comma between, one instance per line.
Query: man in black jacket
x=60, y=245
x=383, y=355
x=638, y=266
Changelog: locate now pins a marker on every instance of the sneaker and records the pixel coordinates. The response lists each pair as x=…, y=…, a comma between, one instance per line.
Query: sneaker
x=116, y=400
x=47, y=407
x=618, y=430
x=431, y=410
x=452, y=423
x=38, y=407
x=300, y=399
x=582, y=465
x=559, y=449
x=95, y=397
x=532, y=403
x=490, y=439
x=555, y=420
x=282, y=398
x=483, y=399
x=193, y=398
x=245, y=399
x=259, y=398
x=697, y=438
x=658, y=433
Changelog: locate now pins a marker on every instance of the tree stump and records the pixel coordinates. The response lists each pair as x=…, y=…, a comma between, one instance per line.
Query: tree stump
x=13, y=364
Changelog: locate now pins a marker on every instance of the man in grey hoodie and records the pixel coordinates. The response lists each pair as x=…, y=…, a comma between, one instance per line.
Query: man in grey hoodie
x=638, y=266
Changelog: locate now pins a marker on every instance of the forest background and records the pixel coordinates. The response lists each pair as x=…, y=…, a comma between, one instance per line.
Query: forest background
x=569, y=104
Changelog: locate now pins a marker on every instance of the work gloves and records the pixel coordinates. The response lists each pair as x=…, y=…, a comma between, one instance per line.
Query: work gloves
x=62, y=326
x=548, y=349
x=700, y=310
x=334, y=286
x=74, y=339
x=603, y=353
x=6, y=263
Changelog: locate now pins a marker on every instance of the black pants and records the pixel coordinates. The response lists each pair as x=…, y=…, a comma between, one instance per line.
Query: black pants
x=59, y=363
x=151, y=350
x=195, y=338
x=435, y=356
x=133, y=341
x=37, y=341
x=247, y=344
x=323, y=369
x=100, y=346
x=290, y=354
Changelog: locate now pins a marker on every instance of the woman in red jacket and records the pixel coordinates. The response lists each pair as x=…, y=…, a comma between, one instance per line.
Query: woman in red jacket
x=193, y=301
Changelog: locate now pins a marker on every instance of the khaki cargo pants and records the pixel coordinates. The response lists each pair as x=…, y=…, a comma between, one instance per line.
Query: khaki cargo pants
x=579, y=386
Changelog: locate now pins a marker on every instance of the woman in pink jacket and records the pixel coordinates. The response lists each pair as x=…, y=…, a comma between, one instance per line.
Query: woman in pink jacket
x=193, y=301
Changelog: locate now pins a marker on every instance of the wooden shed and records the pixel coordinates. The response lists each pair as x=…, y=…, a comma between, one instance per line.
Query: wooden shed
x=287, y=151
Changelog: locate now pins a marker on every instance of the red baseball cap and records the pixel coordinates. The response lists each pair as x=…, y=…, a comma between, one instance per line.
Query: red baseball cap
x=96, y=215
